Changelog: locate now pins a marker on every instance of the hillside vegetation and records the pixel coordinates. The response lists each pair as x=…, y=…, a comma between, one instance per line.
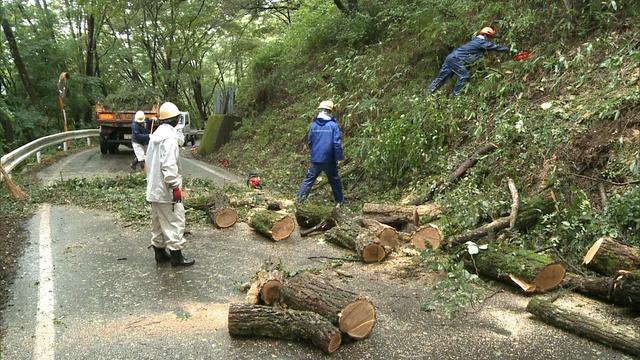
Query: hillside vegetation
x=565, y=121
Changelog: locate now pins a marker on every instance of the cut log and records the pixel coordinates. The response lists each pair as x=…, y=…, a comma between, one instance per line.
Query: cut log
x=274, y=225
x=426, y=212
x=358, y=239
x=309, y=215
x=216, y=204
x=456, y=174
x=529, y=213
x=621, y=289
x=266, y=285
x=607, y=256
x=622, y=337
x=530, y=271
x=263, y=321
x=387, y=235
x=353, y=314
x=397, y=222
x=429, y=234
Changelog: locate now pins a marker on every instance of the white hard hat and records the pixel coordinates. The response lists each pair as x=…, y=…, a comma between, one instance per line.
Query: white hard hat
x=168, y=110
x=139, y=116
x=326, y=105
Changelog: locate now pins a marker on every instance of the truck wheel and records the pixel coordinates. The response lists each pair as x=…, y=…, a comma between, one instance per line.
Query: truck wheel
x=104, y=147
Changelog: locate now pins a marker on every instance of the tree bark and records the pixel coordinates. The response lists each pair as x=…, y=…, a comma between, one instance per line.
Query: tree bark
x=309, y=215
x=17, y=59
x=423, y=212
x=353, y=314
x=607, y=256
x=274, y=225
x=91, y=46
x=622, y=337
x=621, y=289
x=263, y=321
x=362, y=241
x=266, y=285
x=387, y=235
x=515, y=266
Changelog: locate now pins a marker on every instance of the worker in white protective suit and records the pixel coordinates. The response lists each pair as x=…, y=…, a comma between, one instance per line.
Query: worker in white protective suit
x=164, y=184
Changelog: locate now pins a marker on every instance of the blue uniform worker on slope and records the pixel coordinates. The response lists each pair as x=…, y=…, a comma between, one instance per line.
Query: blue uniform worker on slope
x=457, y=62
x=326, y=150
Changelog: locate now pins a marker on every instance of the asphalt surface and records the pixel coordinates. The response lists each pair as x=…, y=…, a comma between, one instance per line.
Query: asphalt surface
x=103, y=297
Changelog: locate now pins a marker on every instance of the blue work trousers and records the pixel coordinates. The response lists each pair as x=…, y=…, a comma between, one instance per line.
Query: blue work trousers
x=451, y=66
x=331, y=170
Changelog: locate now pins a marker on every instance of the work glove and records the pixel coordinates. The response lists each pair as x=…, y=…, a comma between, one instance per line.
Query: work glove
x=177, y=195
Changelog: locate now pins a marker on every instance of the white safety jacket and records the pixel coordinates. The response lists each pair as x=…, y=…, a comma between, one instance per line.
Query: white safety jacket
x=163, y=164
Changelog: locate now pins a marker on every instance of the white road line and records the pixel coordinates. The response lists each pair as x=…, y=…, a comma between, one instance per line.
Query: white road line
x=219, y=174
x=45, y=330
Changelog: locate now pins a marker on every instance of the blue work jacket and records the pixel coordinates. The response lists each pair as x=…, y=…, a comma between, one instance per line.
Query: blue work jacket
x=474, y=49
x=324, y=139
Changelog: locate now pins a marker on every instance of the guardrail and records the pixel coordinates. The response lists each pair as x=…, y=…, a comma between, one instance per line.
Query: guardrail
x=14, y=158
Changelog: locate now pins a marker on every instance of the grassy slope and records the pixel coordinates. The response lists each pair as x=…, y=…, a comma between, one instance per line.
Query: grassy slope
x=571, y=109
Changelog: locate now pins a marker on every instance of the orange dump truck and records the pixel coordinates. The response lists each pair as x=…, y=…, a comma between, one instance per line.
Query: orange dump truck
x=115, y=127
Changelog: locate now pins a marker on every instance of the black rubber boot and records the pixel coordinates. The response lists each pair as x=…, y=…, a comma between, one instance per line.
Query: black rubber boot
x=178, y=260
x=161, y=254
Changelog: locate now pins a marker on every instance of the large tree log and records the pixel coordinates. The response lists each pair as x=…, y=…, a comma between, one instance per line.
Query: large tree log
x=456, y=174
x=216, y=204
x=399, y=223
x=266, y=285
x=622, y=337
x=530, y=271
x=424, y=212
x=429, y=234
x=528, y=215
x=387, y=235
x=621, y=289
x=352, y=313
x=309, y=215
x=358, y=239
x=263, y=321
x=272, y=224
x=607, y=256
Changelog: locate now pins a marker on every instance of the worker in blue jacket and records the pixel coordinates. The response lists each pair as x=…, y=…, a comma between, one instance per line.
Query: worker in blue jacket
x=326, y=151
x=457, y=62
x=139, y=139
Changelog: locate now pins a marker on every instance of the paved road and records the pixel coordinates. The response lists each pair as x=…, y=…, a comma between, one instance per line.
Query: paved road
x=91, y=163
x=87, y=288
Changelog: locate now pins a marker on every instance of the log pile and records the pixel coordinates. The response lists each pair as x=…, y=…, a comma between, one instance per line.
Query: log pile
x=274, y=225
x=426, y=212
x=362, y=241
x=353, y=314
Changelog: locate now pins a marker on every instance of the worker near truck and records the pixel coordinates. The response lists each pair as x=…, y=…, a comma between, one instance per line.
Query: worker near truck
x=139, y=139
x=457, y=62
x=164, y=188
x=325, y=145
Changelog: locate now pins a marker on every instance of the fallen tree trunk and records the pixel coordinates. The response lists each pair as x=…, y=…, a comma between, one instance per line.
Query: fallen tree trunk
x=456, y=174
x=358, y=239
x=387, y=235
x=263, y=321
x=622, y=337
x=529, y=214
x=424, y=212
x=309, y=215
x=274, y=225
x=621, y=289
x=525, y=269
x=607, y=256
x=353, y=314
x=266, y=285
x=216, y=204
x=429, y=234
